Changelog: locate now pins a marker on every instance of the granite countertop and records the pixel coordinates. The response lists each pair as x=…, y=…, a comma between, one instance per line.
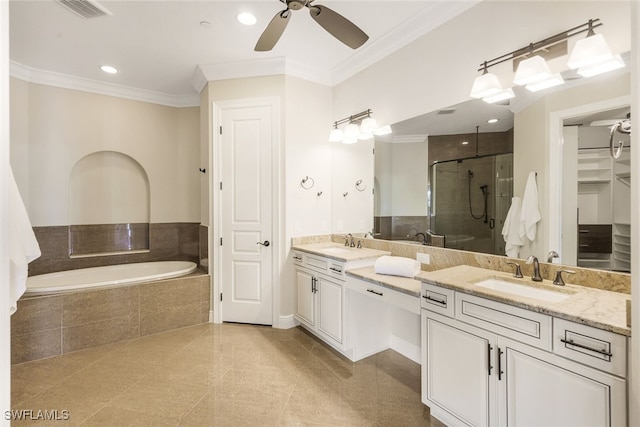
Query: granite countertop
x=593, y=307
x=339, y=252
x=405, y=285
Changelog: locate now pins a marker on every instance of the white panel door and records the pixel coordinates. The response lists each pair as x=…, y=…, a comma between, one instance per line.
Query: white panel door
x=246, y=207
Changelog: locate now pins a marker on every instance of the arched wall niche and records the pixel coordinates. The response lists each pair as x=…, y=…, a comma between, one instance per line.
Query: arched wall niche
x=109, y=205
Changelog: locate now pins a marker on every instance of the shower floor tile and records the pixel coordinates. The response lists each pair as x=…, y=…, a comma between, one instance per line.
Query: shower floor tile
x=219, y=375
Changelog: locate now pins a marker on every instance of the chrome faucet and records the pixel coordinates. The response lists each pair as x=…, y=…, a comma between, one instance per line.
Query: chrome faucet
x=348, y=241
x=424, y=237
x=535, y=276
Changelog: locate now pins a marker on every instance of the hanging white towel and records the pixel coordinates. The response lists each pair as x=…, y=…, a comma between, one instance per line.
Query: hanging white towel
x=23, y=246
x=529, y=213
x=511, y=229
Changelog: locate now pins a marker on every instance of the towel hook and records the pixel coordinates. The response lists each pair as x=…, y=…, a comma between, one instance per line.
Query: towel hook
x=307, y=183
x=203, y=170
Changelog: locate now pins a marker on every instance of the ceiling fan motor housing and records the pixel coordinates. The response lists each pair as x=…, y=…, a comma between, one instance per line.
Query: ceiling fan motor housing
x=296, y=4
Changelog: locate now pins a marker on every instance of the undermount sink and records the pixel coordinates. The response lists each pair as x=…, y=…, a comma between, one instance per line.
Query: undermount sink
x=334, y=250
x=522, y=290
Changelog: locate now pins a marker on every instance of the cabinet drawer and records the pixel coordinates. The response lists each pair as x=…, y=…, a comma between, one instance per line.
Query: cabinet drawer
x=513, y=322
x=594, y=347
x=297, y=258
x=386, y=295
x=594, y=238
x=327, y=266
x=437, y=299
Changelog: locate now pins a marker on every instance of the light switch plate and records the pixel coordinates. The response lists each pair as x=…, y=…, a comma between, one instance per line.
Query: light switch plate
x=423, y=258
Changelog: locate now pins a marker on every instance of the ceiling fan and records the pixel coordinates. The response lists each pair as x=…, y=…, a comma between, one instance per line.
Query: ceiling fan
x=337, y=25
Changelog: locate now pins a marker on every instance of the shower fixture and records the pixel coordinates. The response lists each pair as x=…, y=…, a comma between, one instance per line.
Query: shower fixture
x=485, y=197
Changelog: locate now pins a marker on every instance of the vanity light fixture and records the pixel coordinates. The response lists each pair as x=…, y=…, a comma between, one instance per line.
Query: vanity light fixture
x=590, y=56
x=353, y=132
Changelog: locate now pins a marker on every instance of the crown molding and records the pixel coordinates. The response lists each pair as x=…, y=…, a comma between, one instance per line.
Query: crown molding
x=65, y=81
x=430, y=17
x=257, y=68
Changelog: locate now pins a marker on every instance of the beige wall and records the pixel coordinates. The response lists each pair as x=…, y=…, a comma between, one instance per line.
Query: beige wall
x=54, y=128
x=305, y=122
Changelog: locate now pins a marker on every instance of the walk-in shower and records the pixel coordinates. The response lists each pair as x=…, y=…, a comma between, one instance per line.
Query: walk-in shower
x=469, y=201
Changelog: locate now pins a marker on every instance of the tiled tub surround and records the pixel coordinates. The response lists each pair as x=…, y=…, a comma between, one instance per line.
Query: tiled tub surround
x=167, y=241
x=47, y=326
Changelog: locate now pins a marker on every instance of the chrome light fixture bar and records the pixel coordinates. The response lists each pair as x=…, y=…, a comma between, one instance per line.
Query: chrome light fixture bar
x=360, y=126
x=590, y=56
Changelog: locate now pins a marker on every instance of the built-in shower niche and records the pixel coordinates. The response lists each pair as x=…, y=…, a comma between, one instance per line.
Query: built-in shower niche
x=109, y=206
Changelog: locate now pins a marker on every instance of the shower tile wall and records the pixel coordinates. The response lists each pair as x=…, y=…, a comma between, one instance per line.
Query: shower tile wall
x=167, y=241
x=400, y=227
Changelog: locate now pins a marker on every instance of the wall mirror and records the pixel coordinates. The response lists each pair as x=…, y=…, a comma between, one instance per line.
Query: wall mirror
x=448, y=171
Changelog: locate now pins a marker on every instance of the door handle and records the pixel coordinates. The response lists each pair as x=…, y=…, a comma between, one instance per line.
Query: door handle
x=265, y=244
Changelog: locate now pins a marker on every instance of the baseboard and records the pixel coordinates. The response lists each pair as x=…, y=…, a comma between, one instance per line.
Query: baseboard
x=405, y=348
x=286, y=322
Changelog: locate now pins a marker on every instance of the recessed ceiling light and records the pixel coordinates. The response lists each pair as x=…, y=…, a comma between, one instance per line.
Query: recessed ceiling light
x=109, y=69
x=465, y=142
x=492, y=121
x=246, y=18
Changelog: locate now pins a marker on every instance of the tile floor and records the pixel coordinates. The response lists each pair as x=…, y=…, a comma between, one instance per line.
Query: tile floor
x=222, y=375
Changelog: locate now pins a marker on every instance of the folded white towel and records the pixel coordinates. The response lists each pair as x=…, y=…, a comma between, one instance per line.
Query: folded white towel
x=397, y=266
x=529, y=213
x=511, y=230
x=23, y=246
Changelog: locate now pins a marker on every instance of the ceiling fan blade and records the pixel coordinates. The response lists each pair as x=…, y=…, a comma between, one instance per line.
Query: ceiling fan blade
x=274, y=30
x=338, y=26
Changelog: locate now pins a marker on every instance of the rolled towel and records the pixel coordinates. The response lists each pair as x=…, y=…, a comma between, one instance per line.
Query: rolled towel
x=397, y=266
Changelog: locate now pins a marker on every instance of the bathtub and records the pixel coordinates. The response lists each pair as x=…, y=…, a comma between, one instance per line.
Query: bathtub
x=108, y=276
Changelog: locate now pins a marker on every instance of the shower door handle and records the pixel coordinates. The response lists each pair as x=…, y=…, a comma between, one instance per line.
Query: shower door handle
x=492, y=223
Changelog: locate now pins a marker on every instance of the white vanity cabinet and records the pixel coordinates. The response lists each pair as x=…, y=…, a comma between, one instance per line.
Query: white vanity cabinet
x=319, y=284
x=491, y=364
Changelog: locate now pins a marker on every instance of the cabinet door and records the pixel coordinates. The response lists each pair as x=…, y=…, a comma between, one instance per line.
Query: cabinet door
x=305, y=311
x=543, y=389
x=457, y=371
x=330, y=308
